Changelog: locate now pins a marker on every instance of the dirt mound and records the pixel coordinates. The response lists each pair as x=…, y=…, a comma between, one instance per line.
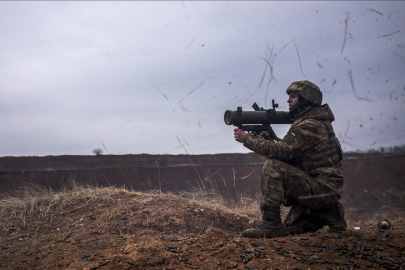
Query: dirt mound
x=109, y=228
x=373, y=181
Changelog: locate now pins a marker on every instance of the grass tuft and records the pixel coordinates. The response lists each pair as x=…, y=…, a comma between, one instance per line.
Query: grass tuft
x=35, y=202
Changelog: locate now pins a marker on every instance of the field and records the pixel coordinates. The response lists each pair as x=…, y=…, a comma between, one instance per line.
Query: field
x=82, y=227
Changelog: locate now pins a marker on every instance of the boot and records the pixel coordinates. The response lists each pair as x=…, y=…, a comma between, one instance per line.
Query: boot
x=299, y=220
x=270, y=226
x=333, y=217
x=313, y=220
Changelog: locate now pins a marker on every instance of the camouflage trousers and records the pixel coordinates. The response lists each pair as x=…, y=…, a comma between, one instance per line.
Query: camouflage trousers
x=282, y=183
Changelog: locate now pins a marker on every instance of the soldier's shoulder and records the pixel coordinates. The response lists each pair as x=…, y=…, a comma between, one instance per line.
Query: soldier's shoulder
x=308, y=124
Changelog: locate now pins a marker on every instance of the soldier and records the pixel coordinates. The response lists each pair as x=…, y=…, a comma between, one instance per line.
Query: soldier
x=303, y=170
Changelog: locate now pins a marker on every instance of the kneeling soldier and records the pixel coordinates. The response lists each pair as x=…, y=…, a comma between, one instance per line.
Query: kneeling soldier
x=303, y=170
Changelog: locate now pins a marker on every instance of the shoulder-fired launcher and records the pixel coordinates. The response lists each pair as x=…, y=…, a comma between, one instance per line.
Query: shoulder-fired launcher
x=258, y=120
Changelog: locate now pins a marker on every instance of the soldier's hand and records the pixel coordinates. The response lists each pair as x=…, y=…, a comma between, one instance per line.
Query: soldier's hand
x=239, y=135
x=264, y=134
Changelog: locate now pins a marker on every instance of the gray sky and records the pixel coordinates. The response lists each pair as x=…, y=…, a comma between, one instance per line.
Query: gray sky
x=137, y=77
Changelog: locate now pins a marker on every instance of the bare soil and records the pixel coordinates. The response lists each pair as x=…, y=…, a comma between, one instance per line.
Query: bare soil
x=132, y=230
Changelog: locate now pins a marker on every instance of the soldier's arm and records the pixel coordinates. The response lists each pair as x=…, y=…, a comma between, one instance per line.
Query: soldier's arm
x=297, y=140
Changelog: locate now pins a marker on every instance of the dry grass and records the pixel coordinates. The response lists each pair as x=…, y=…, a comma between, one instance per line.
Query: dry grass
x=39, y=203
x=34, y=202
x=243, y=205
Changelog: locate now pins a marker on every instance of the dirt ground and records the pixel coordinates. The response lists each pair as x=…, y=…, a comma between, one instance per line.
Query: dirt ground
x=130, y=230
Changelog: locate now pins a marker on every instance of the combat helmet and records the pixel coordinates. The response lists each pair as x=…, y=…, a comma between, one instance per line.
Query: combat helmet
x=308, y=91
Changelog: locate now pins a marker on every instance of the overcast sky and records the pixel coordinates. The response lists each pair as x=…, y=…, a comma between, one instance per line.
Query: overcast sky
x=155, y=77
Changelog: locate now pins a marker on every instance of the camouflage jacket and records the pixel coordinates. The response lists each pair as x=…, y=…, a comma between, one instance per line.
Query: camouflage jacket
x=310, y=144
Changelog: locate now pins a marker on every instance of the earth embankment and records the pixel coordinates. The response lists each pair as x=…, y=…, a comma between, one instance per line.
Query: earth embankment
x=372, y=181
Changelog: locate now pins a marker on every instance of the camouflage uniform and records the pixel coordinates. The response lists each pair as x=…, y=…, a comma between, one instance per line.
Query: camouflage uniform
x=305, y=166
x=304, y=170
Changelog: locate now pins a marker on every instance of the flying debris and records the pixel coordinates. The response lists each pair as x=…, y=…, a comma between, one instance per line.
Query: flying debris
x=162, y=93
x=345, y=38
x=373, y=10
x=189, y=93
x=184, y=109
x=191, y=42
x=354, y=90
x=389, y=34
x=299, y=58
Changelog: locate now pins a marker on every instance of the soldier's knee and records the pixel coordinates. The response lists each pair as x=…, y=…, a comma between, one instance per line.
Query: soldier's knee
x=270, y=169
x=276, y=164
x=274, y=167
x=272, y=163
